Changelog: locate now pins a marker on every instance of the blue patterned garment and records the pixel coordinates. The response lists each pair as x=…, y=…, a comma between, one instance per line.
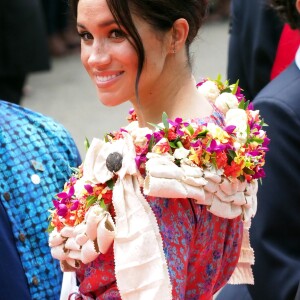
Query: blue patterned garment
x=35, y=155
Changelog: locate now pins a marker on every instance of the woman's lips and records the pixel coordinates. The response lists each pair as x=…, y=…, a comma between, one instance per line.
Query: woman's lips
x=107, y=79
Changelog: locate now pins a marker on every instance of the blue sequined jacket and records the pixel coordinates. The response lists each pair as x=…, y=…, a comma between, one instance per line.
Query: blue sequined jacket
x=35, y=158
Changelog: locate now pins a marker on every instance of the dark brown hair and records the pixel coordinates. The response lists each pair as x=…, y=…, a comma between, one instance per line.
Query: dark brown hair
x=161, y=14
x=286, y=9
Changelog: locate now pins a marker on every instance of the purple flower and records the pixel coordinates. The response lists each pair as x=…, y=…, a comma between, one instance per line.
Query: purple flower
x=157, y=135
x=254, y=125
x=196, y=144
x=178, y=123
x=214, y=147
x=254, y=153
x=229, y=129
x=139, y=159
x=260, y=173
x=200, y=83
x=89, y=188
x=74, y=205
x=240, y=96
x=61, y=208
x=250, y=106
x=66, y=196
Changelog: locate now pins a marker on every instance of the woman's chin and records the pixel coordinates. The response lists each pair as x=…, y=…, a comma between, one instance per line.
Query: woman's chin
x=111, y=100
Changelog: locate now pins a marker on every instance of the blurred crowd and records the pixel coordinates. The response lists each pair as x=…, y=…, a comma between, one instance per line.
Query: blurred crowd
x=60, y=26
x=219, y=10
x=32, y=32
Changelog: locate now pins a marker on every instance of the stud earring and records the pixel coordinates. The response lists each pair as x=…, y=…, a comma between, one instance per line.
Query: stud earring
x=174, y=48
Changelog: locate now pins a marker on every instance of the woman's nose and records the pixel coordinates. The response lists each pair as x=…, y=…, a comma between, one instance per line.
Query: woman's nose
x=100, y=55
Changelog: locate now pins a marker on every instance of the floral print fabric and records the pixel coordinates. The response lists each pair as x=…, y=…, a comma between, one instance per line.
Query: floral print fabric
x=201, y=249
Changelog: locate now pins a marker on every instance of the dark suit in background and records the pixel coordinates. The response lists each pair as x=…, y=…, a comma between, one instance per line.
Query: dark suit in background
x=275, y=230
x=254, y=35
x=23, y=45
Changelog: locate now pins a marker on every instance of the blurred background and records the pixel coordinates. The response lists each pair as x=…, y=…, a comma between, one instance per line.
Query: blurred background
x=66, y=93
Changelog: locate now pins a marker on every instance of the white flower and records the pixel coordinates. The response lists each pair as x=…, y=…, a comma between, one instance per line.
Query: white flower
x=181, y=153
x=79, y=187
x=95, y=168
x=238, y=118
x=209, y=90
x=254, y=113
x=139, y=136
x=226, y=101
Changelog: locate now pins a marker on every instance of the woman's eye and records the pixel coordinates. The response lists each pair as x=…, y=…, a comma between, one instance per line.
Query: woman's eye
x=117, y=34
x=85, y=36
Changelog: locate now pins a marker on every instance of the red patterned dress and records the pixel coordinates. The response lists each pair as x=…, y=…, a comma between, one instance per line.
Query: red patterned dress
x=201, y=250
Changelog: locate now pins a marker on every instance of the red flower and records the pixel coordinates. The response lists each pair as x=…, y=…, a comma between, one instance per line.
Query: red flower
x=172, y=134
x=221, y=159
x=107, y=197
x=233, y=170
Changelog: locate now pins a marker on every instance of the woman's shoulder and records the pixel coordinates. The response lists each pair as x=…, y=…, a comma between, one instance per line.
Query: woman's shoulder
x=216, y=117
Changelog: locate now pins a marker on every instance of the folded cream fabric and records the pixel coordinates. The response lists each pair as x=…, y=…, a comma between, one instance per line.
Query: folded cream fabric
x=224, y=198
x=85, y=241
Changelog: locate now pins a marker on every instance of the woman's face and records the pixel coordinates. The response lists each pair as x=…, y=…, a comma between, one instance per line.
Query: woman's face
x=110, y=59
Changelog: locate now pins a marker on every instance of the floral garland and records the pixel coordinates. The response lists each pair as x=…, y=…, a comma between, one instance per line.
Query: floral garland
x=235, y=150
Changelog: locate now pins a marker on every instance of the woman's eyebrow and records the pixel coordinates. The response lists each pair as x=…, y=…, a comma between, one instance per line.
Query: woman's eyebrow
x=102, y=24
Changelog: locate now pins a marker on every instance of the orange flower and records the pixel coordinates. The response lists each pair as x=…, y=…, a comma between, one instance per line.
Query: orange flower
x=57, y=223
x=233, y=169
x=221, y=159
x=162, y=146
x=196, y=155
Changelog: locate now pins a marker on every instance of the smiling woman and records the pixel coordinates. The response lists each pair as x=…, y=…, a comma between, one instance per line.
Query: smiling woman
x=158, y=214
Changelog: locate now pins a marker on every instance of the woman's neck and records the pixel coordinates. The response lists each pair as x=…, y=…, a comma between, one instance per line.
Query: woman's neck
x=177, y=96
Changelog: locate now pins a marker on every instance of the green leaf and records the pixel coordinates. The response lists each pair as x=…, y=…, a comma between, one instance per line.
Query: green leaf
x=156, y=126
x=173, y=145
x=165, y=120
x=190, y=129
x=179, y=143
x=86, y=144
x=232, y=154
x=110, y=183
x=151, y=143
x=257, y=140
x=248, y=171
x=203, y=133
x=50, y=228
x=90, y=200
x=235, y=87
x=262, y=123
x=103, y=205
x=248, y=130
x=242, y=104
x=241, y=178
x=227, y=90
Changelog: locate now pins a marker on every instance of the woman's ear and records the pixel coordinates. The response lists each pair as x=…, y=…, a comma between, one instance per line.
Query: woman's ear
x=298, y=6
x=180, y=31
